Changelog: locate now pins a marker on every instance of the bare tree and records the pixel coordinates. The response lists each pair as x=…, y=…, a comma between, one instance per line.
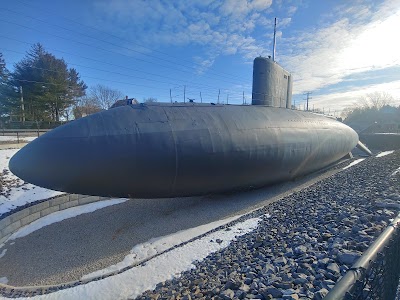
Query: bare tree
x=368, y=107
x=86, y=106
x=150, y=100
x=375, y=100
x=105, y=96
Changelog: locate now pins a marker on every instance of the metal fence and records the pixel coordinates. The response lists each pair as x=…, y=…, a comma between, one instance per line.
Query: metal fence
x=19, y=135
x=376, y=274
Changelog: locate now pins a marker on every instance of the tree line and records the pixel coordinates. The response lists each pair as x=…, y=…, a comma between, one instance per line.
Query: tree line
x=371, y=107
x=43, y=88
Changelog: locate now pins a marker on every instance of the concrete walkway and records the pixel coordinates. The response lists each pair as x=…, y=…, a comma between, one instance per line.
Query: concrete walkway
x=67, y=250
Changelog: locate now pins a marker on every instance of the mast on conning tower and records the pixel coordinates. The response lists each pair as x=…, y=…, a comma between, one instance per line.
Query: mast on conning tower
x=273, y=47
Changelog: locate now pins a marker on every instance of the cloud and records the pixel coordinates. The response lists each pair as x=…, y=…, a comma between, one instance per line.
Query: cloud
x=324, y=56
x=219, y=27
x=292, y=10
x=339, y=100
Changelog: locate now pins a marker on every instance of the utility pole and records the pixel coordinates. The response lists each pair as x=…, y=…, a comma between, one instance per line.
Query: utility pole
x=308, y=97
x=219, y=92
x=243, y=98
x=170, y=94
x=201, y=98
x=227, y=98
x=22, y=104
x=184, y=94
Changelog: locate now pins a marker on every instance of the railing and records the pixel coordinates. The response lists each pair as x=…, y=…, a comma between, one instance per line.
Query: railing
x=376, y=274
x=20, y=134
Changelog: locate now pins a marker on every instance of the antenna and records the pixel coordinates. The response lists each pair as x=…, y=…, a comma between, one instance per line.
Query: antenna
x=273, y=48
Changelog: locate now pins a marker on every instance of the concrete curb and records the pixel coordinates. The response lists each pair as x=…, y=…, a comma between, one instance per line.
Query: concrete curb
x=21, y=218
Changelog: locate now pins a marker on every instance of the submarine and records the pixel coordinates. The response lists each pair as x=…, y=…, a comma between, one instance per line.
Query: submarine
x=163, y=150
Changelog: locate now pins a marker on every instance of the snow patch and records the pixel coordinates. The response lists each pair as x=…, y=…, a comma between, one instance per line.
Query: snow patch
x=384, y=153
x=397, y=171
x=3, y=280
x=15, y=192
x=6, y=138
x=3, y=253
x=63, y=215
x=155, y=246
x=354, y=163
x=137, y=280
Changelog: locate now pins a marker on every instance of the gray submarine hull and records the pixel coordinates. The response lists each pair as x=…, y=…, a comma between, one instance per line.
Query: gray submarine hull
x=171, y=150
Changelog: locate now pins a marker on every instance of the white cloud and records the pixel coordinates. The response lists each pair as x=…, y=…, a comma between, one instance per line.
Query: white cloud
x=261, y=4
x=325, y=56
x=282, y=23
x=338, y=101
x=292, y=10
x=221, y=27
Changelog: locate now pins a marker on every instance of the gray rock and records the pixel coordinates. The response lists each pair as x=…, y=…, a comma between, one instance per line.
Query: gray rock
x=283, y=285
x=347, y=257
x=268, y=269
x=288, y=292
x=333, y=268
x=231, y=284
x=280, y=261
x=274, y=292
x=319, y=295
x=300, y=281
x=227, y=294
x=300, y=249
x=323, y=261
x=244, y=288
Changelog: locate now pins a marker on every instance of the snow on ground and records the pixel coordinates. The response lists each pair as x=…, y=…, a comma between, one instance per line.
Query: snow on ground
x=354, y=163
x=385, y=153
x=388, y=133
x=137, y=280
x=397, y=171
x=3, y=253
x=6, y=138
x=63, y=215
x=15, y=192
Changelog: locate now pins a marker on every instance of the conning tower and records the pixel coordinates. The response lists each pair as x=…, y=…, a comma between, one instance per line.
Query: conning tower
x=272, y=84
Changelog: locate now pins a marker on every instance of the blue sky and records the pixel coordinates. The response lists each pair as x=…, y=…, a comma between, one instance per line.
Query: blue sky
x=338, y=50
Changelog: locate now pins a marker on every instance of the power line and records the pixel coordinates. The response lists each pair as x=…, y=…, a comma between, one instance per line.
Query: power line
x=107, y=80
x=121, y=38
x=205, y=87
x=103, y=49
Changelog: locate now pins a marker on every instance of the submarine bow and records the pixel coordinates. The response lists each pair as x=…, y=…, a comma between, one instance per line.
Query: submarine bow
x=170, y=150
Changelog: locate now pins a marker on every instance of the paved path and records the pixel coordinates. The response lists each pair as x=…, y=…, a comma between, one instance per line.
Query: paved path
x=67, y=250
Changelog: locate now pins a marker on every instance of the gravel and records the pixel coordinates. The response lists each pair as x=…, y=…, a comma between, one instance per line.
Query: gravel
x=308, y=242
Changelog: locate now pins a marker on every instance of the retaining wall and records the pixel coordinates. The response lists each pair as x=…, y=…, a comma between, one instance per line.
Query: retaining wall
x=15, y=221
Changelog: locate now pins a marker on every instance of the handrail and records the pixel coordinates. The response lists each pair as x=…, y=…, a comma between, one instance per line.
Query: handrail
x=358, y=269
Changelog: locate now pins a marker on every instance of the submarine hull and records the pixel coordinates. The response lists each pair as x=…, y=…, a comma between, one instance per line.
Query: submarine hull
x=171, y=150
